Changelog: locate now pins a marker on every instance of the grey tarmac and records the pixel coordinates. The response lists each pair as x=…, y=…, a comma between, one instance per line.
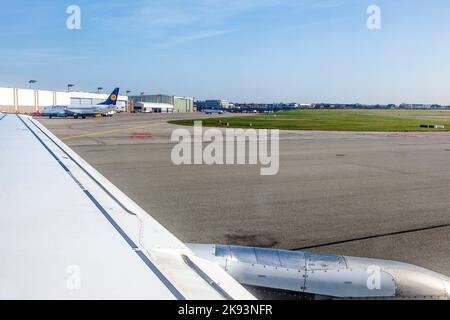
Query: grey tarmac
x=379, y=195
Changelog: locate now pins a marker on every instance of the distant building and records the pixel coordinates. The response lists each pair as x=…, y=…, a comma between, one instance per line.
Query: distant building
x=183, y=104
x=419, y=106
x=153, y=107
x=179, y=104
x=200, y=105
x=284, y=106
x=213, y=105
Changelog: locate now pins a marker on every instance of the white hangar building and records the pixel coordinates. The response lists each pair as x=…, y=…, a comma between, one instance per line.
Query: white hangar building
x=16, y=100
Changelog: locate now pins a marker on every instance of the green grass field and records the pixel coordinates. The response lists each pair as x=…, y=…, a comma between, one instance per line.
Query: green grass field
x=336, y=120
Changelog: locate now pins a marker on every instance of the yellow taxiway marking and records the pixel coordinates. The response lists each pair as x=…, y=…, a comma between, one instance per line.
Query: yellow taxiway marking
x=100, y=133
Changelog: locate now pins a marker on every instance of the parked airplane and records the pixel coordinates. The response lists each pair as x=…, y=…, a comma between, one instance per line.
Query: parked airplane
x=84, y=239
x=83, y=111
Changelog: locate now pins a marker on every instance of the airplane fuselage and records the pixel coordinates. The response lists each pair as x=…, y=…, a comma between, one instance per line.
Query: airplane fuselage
x=76, y=110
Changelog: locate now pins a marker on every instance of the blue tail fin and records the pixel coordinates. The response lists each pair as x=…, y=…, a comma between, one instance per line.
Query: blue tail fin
x=112, y=99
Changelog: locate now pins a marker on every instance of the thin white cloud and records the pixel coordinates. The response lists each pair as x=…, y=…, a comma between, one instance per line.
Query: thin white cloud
x=38, y=56
x=183, y=21
x=193, y=37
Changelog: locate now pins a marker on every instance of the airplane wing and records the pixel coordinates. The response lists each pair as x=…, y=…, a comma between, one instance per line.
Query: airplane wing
x=66, y=232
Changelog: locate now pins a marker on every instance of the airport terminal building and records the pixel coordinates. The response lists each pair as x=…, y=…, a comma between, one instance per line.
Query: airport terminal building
x=16, y=100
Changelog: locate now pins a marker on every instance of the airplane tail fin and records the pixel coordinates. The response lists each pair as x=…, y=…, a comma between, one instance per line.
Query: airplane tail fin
x=112, y=99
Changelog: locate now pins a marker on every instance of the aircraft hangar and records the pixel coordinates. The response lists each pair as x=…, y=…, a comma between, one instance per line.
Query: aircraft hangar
x=18, y=100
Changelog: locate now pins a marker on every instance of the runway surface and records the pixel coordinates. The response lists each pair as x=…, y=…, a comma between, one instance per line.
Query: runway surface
x=380, y=195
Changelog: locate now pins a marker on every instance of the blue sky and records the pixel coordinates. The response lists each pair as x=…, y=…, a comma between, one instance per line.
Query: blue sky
x=241, y=50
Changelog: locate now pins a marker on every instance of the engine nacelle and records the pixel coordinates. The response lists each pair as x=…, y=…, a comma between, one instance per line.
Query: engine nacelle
x=296, y=274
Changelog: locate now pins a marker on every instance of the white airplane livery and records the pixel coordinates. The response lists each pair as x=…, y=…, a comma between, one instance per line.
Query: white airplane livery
x=66, y=232
x=83, y=111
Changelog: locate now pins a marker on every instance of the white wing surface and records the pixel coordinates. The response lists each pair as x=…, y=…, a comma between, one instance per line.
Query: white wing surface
x=66, y=232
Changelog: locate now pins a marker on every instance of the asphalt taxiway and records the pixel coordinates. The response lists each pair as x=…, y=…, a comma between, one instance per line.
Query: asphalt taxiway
x=380, y=195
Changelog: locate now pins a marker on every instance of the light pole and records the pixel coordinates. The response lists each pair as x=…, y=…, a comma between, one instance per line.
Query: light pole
x=99, y=89
x=128, y=101
x=31, y=82
x=69, y=86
